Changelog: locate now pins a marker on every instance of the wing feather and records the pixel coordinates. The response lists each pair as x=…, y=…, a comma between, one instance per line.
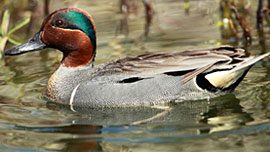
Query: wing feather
x=150, y=64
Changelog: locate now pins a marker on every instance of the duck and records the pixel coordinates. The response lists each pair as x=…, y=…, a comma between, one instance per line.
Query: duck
x=147, y=79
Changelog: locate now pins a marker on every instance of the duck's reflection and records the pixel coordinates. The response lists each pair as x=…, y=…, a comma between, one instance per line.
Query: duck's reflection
x=108, y=129
x=124, y=124
x=226, y=114
x=183, y=114
x=81, y=145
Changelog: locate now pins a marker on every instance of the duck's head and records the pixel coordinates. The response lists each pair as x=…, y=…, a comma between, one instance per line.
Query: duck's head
x=70, y=30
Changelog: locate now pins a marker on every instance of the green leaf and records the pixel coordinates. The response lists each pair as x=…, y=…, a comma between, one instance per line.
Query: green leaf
x=3, y=42
x=13, y=41
x=19, y=25
x=5, y=22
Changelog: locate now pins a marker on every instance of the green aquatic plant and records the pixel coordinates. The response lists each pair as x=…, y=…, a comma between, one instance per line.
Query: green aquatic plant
x=6, y=33
x=186, y=6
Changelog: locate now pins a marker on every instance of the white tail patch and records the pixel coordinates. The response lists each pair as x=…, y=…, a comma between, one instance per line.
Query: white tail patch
x=224, y=79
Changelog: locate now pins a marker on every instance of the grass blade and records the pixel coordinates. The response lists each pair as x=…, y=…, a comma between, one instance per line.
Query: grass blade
x=19, y=25
x=3, y=41
x=13, y=41
x=5, y=22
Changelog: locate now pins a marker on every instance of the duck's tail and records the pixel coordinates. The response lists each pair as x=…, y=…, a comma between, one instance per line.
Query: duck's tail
x=228, y=79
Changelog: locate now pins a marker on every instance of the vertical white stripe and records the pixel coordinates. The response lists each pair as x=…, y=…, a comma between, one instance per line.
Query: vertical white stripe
x=72, y=97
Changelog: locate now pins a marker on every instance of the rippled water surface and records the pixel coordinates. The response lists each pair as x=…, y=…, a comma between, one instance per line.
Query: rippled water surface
x=234, y=122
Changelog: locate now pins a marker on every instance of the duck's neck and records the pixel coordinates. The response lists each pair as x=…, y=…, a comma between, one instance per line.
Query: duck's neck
x=82, y=56
x=76, y=66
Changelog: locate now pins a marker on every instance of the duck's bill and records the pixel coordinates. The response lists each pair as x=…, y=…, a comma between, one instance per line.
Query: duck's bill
x=33, y=44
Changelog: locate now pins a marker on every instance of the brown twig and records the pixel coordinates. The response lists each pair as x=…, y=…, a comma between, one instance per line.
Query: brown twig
x=243, y=24
x=124, y=10
x=149, y=13
x=46, y=7
x=266, y=14
x=33, y=4
x=260, y=14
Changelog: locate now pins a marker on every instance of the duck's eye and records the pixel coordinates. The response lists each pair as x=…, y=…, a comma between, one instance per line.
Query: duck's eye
x=59, y=23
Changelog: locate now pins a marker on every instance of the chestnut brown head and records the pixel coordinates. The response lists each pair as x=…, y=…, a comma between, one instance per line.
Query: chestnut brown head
x=70, y=30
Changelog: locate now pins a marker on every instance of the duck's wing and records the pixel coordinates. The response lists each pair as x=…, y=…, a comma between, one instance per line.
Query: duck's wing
x=188, y=63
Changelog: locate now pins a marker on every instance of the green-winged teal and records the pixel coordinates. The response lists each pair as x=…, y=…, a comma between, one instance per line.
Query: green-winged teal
x=142, y=80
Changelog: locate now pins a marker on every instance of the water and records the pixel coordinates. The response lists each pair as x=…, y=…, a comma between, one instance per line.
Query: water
x=234, y=122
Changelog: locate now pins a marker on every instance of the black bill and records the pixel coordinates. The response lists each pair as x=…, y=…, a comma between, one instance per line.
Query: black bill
x=33, y=44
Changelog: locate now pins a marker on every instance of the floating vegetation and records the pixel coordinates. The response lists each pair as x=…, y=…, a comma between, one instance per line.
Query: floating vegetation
x=6, y=34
